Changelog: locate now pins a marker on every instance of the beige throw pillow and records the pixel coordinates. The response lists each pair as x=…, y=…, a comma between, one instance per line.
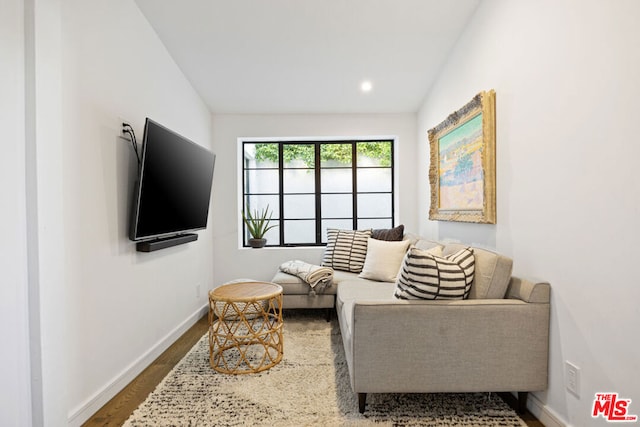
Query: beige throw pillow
x=384, y=259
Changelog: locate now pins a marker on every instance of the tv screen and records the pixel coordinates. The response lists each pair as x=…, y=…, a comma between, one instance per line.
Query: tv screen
x=174, y=185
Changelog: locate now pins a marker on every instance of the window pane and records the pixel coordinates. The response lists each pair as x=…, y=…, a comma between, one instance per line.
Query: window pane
x=336, y=180
x=342, y=224
x=261, y=155
x=374, y=205
x=376, y=179
x=300, y=206
x=337, y=206
x=364, y=224
x=299, y=181
x=335, y=155
x=261, y=181
x=261, y=202
x=273, y=235
x=299, y=232
x=374, y=153
x=299, y=155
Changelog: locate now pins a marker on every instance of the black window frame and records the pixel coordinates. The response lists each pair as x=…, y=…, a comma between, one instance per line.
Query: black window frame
x=317, y=169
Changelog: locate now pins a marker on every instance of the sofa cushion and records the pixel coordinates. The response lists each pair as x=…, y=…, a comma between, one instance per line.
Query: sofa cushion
x=351, y=291
x=390, y=234
x=426, y=276
x=293, y=285
x=492, y=272
x=361, y=290
x=345, y=276
x=346, y=249
x=383, y=260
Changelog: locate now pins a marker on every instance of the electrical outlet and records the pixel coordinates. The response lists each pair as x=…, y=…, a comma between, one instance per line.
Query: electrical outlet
x=198, y=293
x=572, y=378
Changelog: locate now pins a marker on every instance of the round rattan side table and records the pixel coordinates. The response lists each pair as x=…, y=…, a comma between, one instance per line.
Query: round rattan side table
x=245, y=327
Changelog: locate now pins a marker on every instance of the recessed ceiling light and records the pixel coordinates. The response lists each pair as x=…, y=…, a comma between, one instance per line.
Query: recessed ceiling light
x=366, y=86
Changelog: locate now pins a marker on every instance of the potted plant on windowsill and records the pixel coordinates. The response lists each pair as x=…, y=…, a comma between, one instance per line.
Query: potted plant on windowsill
x=258, y=225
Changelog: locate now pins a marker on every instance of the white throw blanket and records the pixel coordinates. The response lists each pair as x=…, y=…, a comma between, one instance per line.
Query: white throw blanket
x=316, y=276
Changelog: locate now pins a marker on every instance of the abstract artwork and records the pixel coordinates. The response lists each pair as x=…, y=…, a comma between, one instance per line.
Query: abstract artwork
x=462, y=171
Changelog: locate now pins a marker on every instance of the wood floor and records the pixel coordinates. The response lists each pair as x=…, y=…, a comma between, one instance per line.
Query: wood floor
x=118, y=409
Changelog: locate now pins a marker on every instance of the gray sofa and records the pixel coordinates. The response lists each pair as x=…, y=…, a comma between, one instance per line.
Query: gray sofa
x=497, y=340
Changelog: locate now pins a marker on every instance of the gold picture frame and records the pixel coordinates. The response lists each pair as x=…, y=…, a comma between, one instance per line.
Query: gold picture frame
x=462, y=171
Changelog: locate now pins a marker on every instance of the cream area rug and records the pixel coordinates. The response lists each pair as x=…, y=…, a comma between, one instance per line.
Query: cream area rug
x=309, y=387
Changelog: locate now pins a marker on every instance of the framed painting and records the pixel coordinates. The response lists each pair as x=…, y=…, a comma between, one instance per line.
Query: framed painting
x=462, y=172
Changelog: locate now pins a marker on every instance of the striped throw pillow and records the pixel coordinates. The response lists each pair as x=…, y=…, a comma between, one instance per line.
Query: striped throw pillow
x=426, y=276
x=346, y=249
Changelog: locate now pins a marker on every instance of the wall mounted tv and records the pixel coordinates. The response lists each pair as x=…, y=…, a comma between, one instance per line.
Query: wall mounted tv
x=173, y=189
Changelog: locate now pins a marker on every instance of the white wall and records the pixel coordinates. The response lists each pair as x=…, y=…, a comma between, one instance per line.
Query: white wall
x=105, y=310
x=568, y=194
x=15, y=406
x=231, y=262
x=48, y=291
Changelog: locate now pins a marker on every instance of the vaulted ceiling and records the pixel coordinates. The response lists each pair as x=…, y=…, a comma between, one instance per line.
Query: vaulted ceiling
x=309, y=56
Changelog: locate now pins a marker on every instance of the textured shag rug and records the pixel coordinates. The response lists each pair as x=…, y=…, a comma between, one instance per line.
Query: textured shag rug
x=309, y=387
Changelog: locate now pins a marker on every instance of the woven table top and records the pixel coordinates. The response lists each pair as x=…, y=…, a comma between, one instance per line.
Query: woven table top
x=245, y=291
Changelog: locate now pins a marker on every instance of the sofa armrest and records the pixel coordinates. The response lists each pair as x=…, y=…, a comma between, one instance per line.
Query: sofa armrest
x=529, y=290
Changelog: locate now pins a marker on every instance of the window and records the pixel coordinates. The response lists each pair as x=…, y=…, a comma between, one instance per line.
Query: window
x=314, y=185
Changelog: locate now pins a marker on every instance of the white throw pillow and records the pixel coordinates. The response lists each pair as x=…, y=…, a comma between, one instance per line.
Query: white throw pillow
x=384, y=259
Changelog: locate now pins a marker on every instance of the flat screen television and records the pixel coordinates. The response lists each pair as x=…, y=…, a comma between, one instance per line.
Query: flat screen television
x=173, y=188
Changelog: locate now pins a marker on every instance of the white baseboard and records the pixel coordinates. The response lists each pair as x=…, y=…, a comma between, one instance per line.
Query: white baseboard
x=83, y=412
x=543, y=413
